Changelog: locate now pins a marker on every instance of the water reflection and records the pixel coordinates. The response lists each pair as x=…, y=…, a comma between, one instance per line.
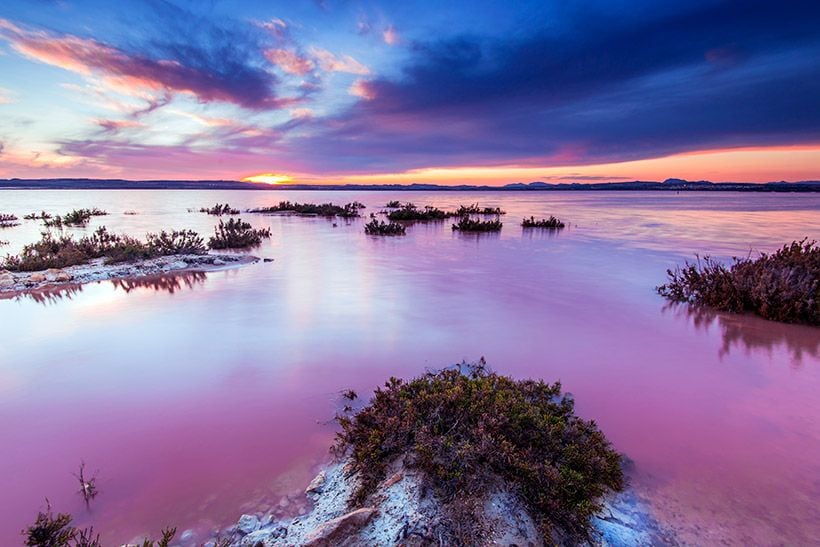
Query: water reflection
x=750, y=333
x=169, y=283
x=46, y=295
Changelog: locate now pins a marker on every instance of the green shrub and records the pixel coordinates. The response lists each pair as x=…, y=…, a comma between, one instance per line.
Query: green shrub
x=237, y=234
x=466, y=224
x=381, y=228
x=465, y=431
x=50, y=252
x=410, y=212
x=77, y=217
x=350, y=210
x=783, y=286
x=550, y=223
x=465, y=210
x=176, y=242
x=219, y=210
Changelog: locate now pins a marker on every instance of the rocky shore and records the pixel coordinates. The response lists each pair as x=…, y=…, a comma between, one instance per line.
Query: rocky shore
x=403, y=511
x=13, y=283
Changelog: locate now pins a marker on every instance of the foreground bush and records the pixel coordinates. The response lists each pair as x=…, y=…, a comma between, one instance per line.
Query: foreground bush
x=409, y=212
x=63, y=250
x=7, y=221
x=237, y=234
x=349, y=210
x=219, y=210
x=77, y=217
x=57, y=531
x=465, y=432
x=465, y=210
x=550, y=223
x=381, y=228
x=466, y=224
x=783, y=286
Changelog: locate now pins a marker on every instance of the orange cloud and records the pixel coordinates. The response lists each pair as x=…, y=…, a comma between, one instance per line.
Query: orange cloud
x=361, y=89
x=290, y=61
x=331, y=63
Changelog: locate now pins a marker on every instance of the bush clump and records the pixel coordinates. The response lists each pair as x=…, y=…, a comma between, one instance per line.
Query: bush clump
x=42, y=215
x=409, y=212
x=62, y=251
x=474, y=209
x=349, y=210
x=393, y=204
x=381, y=228
x=467, y=224
x=236, y=234
x=7, y=220
x=783, y=286
x=77, y=217
x=220, y=209
x=550, y=223
x=465, y=432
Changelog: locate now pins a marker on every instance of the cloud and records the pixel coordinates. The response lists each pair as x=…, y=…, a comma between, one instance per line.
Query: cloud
x=220, y=74
x=329, y=62
x=6, y=96
x=390, y=36
x=290, y=61
x=361, y=89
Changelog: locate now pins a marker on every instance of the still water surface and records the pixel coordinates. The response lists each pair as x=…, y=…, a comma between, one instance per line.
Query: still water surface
x=201, y=397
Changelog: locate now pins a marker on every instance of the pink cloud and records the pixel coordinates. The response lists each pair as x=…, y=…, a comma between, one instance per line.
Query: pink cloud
x=290, y=61
x=329, y=62
x=232, y=82
x=391, y=36
x=363, y=90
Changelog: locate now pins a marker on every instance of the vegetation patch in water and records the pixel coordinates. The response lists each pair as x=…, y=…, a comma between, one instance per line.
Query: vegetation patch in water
x=61, y=251
x=77, y=217
x=474, y=209
x=8, y=221
x=409, y=212
x=783, y=286
x=381, y=228
x=236, y=234
x=349, y=210
x=220, y=209
x=550, y=223
x=42, y=215
x=393, y=204
x=464, y=432
x=467, y=224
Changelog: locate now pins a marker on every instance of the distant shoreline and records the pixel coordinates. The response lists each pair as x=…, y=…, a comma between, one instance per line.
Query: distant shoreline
x=669, y=185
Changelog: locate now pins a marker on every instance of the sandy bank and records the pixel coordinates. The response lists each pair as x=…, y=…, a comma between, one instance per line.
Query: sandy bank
x=16, y=283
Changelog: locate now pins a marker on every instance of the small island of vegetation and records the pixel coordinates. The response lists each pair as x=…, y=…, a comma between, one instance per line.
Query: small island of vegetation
x=8, y=221
x=474, y=209
x=349, y=210
x=550, y=223
x=467, y=224
x=393, y=204
x=77, y=217
x=42, y=215
x=783, y=286
x=237, y=234
x=381, y=228
x=220, y=209
x=409, y=212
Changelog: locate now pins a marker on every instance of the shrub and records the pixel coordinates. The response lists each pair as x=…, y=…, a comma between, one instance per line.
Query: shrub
x=236, y=234
x=42, y=215
x=381, y=228
x=465, y=210
x=350, y=210
x=176, y=242
x=7, y=221
x=550, y=223
x=77, y=217
x=50, y=252
x=466, y=431
x=394, y=204
x=413, y=213
x=219, y=210
x=783, y=286
x=466, y=224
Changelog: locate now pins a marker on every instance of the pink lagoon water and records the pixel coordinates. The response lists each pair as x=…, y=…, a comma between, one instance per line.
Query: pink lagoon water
x=199, y=398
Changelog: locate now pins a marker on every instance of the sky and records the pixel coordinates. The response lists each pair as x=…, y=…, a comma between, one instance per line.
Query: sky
x=335, y=91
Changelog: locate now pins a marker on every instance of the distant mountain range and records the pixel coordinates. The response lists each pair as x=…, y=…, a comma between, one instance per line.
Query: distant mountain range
x=674, y=185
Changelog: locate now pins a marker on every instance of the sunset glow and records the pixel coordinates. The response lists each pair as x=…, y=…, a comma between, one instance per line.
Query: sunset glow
x=269, y=178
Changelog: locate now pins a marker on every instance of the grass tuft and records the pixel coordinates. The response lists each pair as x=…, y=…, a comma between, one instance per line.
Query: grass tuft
x=474, y=209
x=381, y=228
x=220, y=209
x=466, y=224
x=550, y=223
x=409, y=212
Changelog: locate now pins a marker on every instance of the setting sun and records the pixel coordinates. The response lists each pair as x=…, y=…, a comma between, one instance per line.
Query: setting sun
x=269, y=178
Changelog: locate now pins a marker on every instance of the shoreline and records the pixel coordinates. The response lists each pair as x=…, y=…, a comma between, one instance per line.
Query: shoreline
x=14, y=284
